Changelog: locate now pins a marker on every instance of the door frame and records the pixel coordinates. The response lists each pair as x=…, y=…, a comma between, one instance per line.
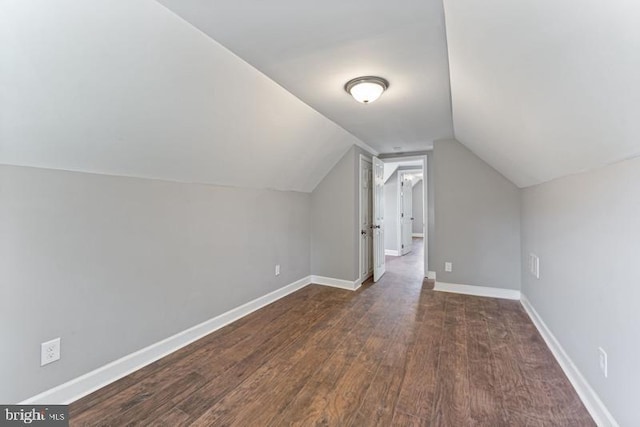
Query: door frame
x=425, y=199
x=399, y=205
x=370, y=161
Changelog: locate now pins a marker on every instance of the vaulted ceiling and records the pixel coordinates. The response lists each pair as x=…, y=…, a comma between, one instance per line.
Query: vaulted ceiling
x=312, y=48
x=545, y=88
x=538, y=89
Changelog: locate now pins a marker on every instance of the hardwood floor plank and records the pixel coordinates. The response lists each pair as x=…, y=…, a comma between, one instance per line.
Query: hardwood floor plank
x=380, y=399
x=517, y=399
x=281, y=374
x=540, y=371
x=401, y=419
x=485, y=402
x=174, y=418
x=418, y=387
x=228, y=382
x=451, y=406
x=357, y=347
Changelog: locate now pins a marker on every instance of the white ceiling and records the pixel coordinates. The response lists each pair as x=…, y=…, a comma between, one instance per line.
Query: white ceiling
x=313, y=48
x=128, y=88
x=545, y=88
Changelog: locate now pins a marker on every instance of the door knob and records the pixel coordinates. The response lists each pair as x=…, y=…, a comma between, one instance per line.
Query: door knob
x=363, y=232
x=376, y=226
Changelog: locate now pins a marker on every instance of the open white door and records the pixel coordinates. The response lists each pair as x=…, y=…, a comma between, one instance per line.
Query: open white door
x=366, y=219
x=406, y=215
x=378, y=219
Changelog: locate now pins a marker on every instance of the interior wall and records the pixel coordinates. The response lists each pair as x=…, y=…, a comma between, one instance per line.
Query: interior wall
x=477, y=212
x=113, y=264
x=418, y=208
x=334, y=222
x=584, y=229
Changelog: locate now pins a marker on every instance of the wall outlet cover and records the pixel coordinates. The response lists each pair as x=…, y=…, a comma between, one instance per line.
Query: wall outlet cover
x=534, y=265
x=49, y=351
x=448, y=267
x=603, y=362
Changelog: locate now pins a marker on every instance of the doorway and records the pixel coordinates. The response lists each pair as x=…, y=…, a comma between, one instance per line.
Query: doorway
x=400, y=186
x=406, y=209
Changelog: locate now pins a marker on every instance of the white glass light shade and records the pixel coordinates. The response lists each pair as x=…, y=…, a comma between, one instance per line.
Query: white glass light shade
x=366, y=89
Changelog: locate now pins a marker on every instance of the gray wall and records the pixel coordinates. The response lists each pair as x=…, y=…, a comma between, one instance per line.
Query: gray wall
x=334, y=222
x=477, y=212
x=391, y=213
x=417, y=206
x=113, y=264
x=586, y=231
x=335, y=226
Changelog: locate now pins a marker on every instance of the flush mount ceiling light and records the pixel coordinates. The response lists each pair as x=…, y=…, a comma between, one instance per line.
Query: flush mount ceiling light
x=366, y=89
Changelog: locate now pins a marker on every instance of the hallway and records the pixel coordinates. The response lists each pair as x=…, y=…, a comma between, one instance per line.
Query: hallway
x=391, y=353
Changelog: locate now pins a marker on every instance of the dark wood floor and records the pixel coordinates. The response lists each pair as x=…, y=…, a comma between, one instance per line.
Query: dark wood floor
x=392, y=353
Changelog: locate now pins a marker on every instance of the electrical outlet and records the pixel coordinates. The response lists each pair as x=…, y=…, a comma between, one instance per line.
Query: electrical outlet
x=49, y=351
x=534, y=265
x=277, y=269
x=603, y=362
x=448, y=267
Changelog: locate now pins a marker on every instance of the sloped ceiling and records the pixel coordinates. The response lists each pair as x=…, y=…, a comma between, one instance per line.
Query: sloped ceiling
x=128, y=88
x=545, y=88
x=312, y=48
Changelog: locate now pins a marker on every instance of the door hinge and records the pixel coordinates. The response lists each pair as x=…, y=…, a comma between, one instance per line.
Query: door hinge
x=402, y=246
x=402, y=215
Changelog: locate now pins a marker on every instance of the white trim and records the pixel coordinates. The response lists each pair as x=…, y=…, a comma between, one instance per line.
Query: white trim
x=481, y=291
x=425, y=195
x=336, y=283
x=88, y=383
x=417, y=234
x=431, y=275
x=399, y=206
x=589, y=397
x=391, y=252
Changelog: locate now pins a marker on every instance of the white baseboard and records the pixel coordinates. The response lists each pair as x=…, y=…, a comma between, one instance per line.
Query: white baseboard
x=336, y=283
x=391, y=252
x=417, y=234
x=480, y=291
x=88, y=383
x=589, y=397
x=431, y=275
